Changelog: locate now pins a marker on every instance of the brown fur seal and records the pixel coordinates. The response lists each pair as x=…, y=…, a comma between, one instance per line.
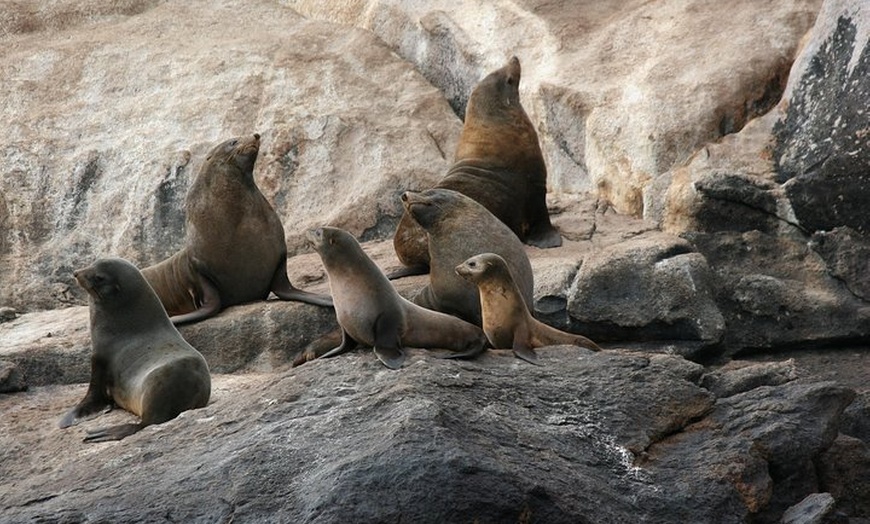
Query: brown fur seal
x=235, y=250
x=458, y=227
x=371, y=312
x=498, y=163
x=139, y=361
x=506, y=318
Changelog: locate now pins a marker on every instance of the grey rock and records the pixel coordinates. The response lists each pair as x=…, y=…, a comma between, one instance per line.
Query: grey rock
x=12, y=379
x=739, y=377
x=655, y=286
x=847, y=256
x=616, y=435
x=811, y=510
x=844, y=471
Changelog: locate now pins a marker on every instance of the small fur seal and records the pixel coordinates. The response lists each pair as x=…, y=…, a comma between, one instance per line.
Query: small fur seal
x=139, y=361
x=458, y=227
x=371, y=312
x=235, y=250
x=498, y=163
x=506, y=318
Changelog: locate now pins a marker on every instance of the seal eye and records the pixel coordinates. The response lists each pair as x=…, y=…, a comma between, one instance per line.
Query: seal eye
x=472, y=264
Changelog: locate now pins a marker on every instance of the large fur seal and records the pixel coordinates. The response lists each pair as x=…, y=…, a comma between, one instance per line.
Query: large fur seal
x=371, y=312
x=506, y=318
x=498, y=163
x=235, y=250
x=458, y=227
x=139, y=361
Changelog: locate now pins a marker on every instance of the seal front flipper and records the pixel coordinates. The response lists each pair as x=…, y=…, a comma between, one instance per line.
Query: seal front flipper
x=387, y=346
x=96, y=399
x=284, y=290
x=112, y=433
x=209, y=304
x=347, y=343
x=522, y=348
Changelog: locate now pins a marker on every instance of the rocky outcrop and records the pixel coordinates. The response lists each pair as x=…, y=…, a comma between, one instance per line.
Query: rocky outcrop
x=775, y=208
x=586, y=437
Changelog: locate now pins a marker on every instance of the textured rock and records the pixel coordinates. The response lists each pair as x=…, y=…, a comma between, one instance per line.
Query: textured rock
x=739, y=377
x=12, y=379
x=494, y=440
x=844, y=471
x=110, y=118
x=621, y=92
x=651, y=287
x=778, y=208
x=812, y=510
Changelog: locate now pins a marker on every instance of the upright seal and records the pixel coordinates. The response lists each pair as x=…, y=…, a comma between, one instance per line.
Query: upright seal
x=506, y=318
x=458, y=227
x=371, y=312
x=498, y=163
x=235, y=250
x=139, y=361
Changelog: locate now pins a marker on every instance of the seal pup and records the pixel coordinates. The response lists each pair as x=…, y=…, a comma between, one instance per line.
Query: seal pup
x=498, y=163
x=235, y=250
x=506, y=318
x=139, y=360
x=371, y=312
x=458, y=228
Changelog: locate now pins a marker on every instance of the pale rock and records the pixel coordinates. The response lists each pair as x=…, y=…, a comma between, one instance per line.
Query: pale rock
x=111, y=112
x=621, y=92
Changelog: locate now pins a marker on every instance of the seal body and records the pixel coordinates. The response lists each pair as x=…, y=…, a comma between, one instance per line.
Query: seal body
x=235, y=250
x=507, y=322
x=498, y=163
x=140, y=362
x=458, y=228
x=371, y=312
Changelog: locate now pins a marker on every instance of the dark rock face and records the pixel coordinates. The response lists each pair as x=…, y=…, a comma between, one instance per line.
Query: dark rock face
x=607, y=437
x=823, y=144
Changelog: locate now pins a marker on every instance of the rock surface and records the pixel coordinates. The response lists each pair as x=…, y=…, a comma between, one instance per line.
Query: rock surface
x=640, y=107
x=587, y=437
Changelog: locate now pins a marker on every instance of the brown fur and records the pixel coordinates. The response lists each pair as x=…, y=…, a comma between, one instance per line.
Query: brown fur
x=498, y=163
x=235, y=250
x=507, y=322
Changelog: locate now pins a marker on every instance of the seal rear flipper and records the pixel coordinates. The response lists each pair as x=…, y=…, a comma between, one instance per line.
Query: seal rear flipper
x=209, y=304
x=347, y=343
x=408, y=271
x=112, y=433
x=474, y=351
x=392, y=357
x=284, y=290
x=544, y=237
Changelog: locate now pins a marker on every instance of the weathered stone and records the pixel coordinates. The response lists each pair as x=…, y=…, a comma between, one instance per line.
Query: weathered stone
x=493, y=439
x=812, y=510
x=823, y=142
x=12, y=379
x=621, y=92
x=110, y=118
x=847, y=257
x=844, y=471
x=650, y=287
x=739, y=377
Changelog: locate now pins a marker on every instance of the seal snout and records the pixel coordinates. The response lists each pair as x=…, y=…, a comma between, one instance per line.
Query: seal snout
x=315, y=237
x=256, y=136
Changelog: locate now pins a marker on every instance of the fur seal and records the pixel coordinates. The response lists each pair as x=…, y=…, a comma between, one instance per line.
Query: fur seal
x=235, y=250
x=458, y=228
x=498, y=163
x=371, y=312
x=139, y=361
x=506, y=318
